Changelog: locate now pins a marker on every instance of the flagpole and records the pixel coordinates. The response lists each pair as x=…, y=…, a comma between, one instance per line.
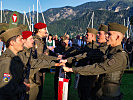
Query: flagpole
x=27, y=21
x=127, y=27
x=1, y=11
x=24, y=19
x=43, y=17
x=92, y=19
x=33, y=19
x=30, y=17
x=37, y=11
x=33, y=14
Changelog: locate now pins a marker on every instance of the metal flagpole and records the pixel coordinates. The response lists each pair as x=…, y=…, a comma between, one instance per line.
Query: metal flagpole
x=30, y=18
x=43, y=17
x=24, y=19
x=33, y=14
x=1, y=11
x=37, y=11
x=33, y=19
x=27, y=21
x=124, y=22
x=127, y=27
x=5, y=16
x=92, y=19
x=42, y=13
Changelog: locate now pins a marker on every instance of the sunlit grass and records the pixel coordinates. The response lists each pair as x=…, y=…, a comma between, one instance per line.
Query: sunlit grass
x=48, y=93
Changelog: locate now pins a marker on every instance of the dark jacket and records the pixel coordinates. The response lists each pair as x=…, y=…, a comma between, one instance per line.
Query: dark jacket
x=113, y=67
x=12, y=76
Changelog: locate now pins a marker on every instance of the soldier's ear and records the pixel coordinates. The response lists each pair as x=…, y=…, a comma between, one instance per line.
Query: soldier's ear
x=118, y=37
x=38, y=30
x=92, y=35
x=11, y=42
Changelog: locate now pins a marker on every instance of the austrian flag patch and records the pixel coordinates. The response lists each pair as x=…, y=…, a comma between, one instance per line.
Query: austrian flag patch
x=6, y=77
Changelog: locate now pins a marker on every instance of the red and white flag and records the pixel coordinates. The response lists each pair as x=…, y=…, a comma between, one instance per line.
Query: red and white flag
x=63, y=89
x=14, y=18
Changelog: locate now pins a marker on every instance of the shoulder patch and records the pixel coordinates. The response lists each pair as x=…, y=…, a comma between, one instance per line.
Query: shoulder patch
x=111, y=62
x=6, y=77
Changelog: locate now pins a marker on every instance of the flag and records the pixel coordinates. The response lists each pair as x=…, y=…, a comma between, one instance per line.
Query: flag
x=63, y=89
x=14, y=20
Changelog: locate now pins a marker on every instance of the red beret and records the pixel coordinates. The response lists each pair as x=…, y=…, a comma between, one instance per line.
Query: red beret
x=40, y=25
x=26, y=34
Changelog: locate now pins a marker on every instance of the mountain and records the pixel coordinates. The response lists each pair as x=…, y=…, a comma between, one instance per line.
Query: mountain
x=56, y=14
x=75, y=19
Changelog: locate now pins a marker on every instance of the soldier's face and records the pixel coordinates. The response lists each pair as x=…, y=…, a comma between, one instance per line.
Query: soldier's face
x=18, y=44
x=29, y=42
x=88, y=37
x=43, y=32
x=101, y=37
x=112, y=38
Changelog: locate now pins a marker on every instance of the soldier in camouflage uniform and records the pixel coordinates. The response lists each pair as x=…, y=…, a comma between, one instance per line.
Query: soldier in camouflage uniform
x=113, y=66
x=11, y=67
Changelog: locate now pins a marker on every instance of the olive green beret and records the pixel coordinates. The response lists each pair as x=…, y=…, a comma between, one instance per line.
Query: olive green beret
x=117, y=27
x=11, y=33
x=103, y=27
x=92, y=30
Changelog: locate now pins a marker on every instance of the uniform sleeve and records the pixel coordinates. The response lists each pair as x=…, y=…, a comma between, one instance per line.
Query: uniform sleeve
x=42, y=63
x=49, y=58
x=115, y=63
x=77, y=56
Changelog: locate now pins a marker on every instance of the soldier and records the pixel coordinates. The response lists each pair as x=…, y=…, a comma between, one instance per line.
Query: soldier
x=101, y=37
x=66, y=51
x=113, y=66
x=38, y=50
x=32, y=65
x=11, y=66
x=86, y=83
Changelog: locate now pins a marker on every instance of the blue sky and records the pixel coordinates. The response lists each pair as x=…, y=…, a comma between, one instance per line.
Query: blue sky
x=24, y=5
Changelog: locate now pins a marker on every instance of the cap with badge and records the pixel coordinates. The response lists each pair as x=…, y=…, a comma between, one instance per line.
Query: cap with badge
x=117, y=27
x=11, y=33
x=40, y=25
x=26, y=34
x=92, y=30
x=103, y=27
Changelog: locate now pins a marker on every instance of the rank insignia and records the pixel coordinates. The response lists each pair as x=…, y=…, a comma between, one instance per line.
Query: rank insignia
x=6, y=77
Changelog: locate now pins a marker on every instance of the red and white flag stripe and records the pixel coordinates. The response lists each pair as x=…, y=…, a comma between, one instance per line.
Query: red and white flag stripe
x=63, y=89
